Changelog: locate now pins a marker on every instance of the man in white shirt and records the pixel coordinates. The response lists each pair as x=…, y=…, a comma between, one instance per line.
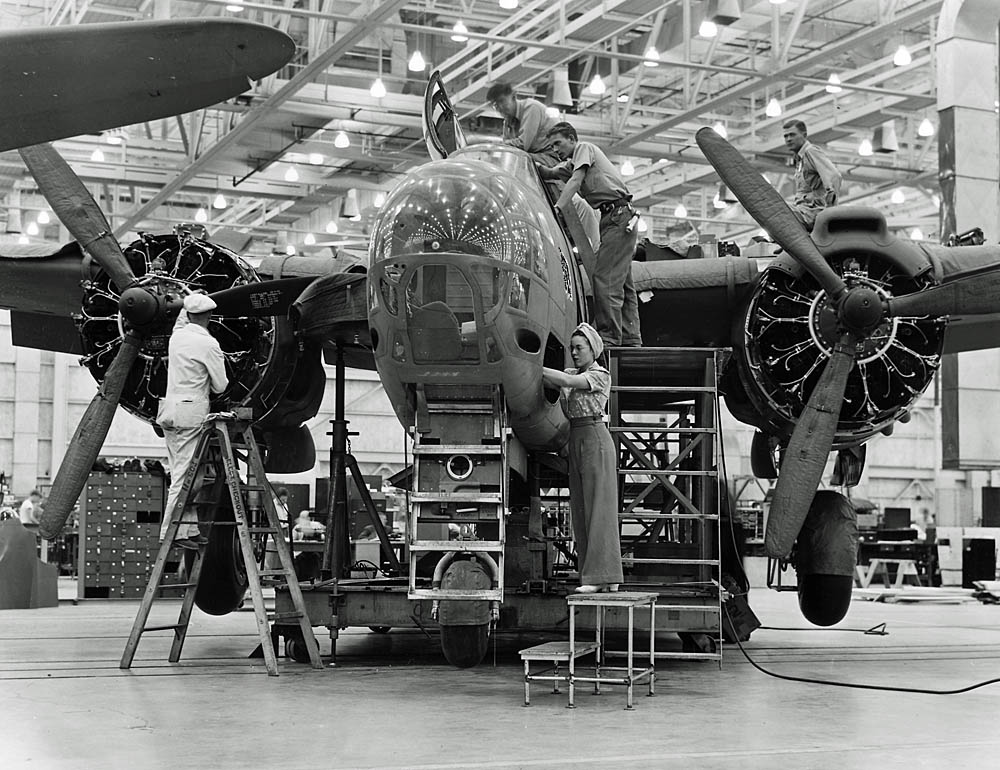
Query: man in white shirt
x=196, y=367
x=31, y=509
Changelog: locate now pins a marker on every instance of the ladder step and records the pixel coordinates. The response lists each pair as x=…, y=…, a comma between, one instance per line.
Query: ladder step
x=455, y=407
x=629, y=515
x=253, y=488
x=657, y=428
x=273, y=573
x=456, y=449
x=442, y=594
x=164, y=586
x=170, y=627
x=633, y=560
x=665, y=472
x=455, y=497
x=272, y=616
x=420, y=546
x=262, y=530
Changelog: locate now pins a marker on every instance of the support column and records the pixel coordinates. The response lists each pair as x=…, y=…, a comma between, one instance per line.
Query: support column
x=27, y=376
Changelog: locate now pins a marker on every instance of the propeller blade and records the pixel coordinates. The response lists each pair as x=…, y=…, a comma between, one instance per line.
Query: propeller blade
x=77, y=209
x=974, y=294
x=805, y=458
x=267, y=298
x=766, y=206
x=87, y=441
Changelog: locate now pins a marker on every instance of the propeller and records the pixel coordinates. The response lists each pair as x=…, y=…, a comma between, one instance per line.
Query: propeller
x=805, y=457
x=88, y=440
x=77, y=209
x=268, y=298
x=858, y=311
x=766, y=206
x=974, y=294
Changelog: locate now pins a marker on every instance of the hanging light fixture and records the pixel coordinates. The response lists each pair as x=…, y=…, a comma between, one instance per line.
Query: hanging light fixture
x=597, y=86
x=926, y=128
x=113, y=136
x=219, y=202
x=235, y=6
x=833, y=84
x=902, y=56
x=378, y=89
x=32, y=228
x=379, y=200
x=720, y=129
x=201, y=215
x=508, y=5
x=331, y=227
x=622, y=98
x=865, y=148
x=718, y=202
x=97, y=156
x=290, y=250
x=916, y=234
x=43, y=217
x=642, y=226
x=416, y=63
x=316, y=159
x=680, y=211
x=652, y=57
x=707, y=29
x=459, y=33
x=897, y=196
x=627, y=168
x=309, y=240
x=292, y=174
x=552, y=112
x=773, y=108
x=341, y=141
x=778, y=2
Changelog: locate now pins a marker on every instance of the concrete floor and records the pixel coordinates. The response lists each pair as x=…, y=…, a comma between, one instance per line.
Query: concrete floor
x=393, y=703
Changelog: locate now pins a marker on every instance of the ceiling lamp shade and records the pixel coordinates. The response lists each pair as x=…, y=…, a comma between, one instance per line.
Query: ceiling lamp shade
x=773, y=108
x=22, y=240
x=722, y=12
x=680, y=211
x=378, y=89
x=309, y=240
x=865, y=148
x=341, y=141
x=417, y=63
x=292, y=174
x=707, y=29
x=316, y=158
x=884, y=137
x=290, y=250
x=43, y=217
x=219, y=202
x=833, y=84
x=720, y=129
x=331, y=227
x=508, y=5
x=916, y=234
x=561, y=94
x=235, y=6
x=201, y=215
x=642, y=226
x=597, y=86
x=627, y=168
x=459, y=33
x=902, y=56
x=32, y=228
x=718, y=203
x=97, y=156
x=652, y=57
x=926, y=128
x=898, y=196
x=349, y=207
x=379, y=199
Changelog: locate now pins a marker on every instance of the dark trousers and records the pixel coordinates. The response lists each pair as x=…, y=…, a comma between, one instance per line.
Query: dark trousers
x=616, y=306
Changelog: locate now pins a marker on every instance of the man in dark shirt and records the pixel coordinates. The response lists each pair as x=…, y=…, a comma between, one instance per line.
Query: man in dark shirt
x=817, y=181
x=587, y=170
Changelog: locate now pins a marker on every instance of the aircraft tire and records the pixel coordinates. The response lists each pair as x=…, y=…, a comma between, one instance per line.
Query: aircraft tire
x=465, y=646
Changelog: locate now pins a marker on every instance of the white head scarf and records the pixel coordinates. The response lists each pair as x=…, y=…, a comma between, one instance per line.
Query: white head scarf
x=588, y=331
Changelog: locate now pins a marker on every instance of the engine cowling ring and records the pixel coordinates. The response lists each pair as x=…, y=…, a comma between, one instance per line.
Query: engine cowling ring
x=260, y=352
x=790, y=328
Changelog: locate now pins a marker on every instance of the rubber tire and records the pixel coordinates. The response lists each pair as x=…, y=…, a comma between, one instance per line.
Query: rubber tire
x=223, y=582
x=465, y=646
x=295, y=648
x=380, y=629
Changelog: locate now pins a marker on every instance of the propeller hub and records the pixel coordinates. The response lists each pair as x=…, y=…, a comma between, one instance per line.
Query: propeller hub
x=139, y=306
x=861, y=310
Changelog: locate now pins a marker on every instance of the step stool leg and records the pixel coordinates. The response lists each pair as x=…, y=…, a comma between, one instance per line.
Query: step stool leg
x=631, y=649
x=652, y=646
x=555, y=682
x=527, y=683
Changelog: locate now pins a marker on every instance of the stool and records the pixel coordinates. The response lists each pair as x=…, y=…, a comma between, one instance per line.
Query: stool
x=601, y=602
x=553, y=652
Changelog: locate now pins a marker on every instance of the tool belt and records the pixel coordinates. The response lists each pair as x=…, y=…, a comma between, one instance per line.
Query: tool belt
x=610, y=206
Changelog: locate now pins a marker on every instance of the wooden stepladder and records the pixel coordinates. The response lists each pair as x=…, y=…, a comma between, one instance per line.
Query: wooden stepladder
x=225, y=440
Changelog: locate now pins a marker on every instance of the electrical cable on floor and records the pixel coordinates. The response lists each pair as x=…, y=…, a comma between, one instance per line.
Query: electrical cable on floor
x=877, y=630
x=854, y=685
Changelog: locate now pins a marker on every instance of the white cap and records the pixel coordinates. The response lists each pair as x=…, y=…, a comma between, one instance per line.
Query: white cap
x=198, y=303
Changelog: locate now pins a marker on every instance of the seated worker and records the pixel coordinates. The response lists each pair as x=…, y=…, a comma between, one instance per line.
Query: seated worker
x=307, y=529
x=817, y=181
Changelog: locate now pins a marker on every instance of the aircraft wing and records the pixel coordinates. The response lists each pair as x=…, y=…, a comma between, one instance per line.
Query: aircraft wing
x=65, y=81
x=973, y=332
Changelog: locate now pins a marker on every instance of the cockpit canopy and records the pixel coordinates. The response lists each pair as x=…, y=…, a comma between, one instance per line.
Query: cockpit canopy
x=482, y=201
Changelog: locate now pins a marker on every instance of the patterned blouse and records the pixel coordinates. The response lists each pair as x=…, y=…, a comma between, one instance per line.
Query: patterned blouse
x=588, y=403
